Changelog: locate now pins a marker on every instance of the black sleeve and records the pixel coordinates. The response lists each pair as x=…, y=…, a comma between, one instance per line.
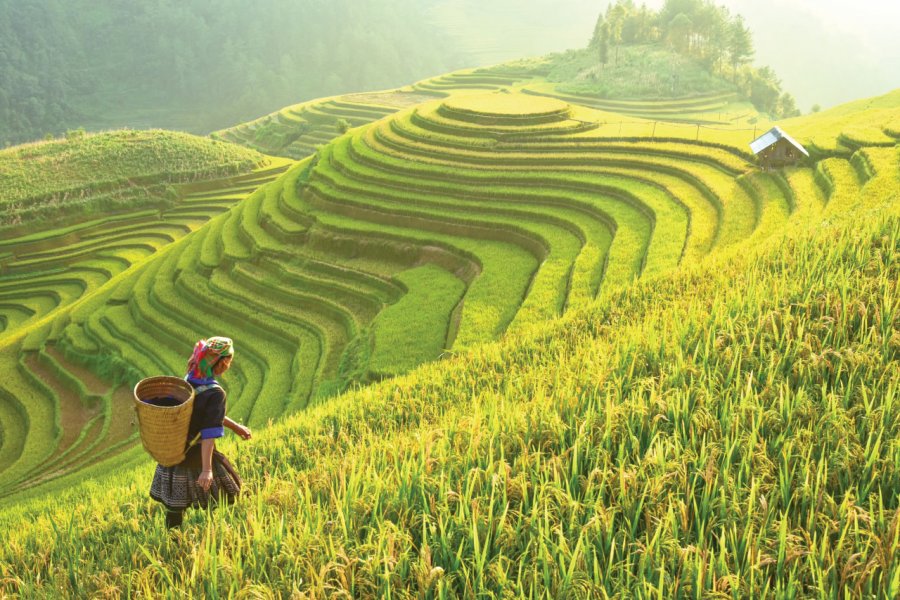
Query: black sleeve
x=212, y=415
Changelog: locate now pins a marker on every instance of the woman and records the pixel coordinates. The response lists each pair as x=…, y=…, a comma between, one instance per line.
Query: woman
x=205, y=476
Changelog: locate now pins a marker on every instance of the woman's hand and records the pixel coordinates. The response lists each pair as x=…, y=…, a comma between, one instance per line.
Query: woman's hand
x=205, y=480
x=243, y=431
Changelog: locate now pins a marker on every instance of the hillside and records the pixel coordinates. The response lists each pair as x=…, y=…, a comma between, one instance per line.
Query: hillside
x=198, y=66
x=85, y=174
x=727, y=429
x=521, y=329
x=483, y=214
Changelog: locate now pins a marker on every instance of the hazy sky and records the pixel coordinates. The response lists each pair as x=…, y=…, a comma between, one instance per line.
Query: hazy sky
x=824, y=51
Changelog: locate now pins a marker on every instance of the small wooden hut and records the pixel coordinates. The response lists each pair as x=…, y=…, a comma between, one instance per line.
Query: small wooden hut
x=775, y=149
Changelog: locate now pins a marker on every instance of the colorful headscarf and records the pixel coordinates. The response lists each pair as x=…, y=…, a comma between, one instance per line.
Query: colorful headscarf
x=206, y=354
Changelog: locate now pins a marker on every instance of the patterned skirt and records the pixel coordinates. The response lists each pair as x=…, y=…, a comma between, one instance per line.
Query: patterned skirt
x=177, y=488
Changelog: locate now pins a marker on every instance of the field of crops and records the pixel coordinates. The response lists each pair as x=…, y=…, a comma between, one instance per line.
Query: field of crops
x=577, y=454
x=64, y=407
x=483, y=214
x=47, y=182
x=729, y=430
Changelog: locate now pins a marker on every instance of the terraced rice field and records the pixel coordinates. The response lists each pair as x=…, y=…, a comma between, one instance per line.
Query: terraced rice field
x=297, y=131
x=713, y=108
x=438, y=226
x=63, y=407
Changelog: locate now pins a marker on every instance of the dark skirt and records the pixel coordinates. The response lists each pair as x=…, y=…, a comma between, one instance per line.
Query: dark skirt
x=177, y=488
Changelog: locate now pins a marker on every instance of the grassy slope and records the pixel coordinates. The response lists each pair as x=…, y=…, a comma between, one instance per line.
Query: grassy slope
x=871, y=121
x=820, y=122
x=728, y=429
x=50, y=178
x=641, y=71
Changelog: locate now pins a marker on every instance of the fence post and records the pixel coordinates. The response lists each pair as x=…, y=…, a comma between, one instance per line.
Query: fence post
x=654, y=130
x=698, y=133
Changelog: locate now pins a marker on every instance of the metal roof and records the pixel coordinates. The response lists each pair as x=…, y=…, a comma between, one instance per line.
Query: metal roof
x=772, y=136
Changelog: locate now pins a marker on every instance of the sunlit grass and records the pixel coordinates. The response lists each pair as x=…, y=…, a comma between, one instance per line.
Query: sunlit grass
x=729, y=429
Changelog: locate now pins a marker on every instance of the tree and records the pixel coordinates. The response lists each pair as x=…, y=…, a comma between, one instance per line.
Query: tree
x=595, y=38
x=787, y=106
x=765, y=91
x=615, y=17
x=711, y=29
x=680, y=33
x=740, y=44
x=603, y=44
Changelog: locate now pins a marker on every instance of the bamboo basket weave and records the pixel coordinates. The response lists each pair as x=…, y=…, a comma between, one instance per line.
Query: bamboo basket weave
x=164, y=429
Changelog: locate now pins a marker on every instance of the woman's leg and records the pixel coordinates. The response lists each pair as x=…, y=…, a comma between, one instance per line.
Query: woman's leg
x=174, y=516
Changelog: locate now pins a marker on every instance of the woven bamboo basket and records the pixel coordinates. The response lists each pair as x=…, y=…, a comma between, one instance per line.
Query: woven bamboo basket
x=164, y=429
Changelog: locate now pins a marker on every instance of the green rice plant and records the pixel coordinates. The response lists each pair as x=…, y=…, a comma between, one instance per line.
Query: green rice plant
x=211, y=250
x=479, y=190
x=99, y=164
x=327, y=320
x=35, y=407
x=177, y=313
x=13, y=430
x=481, y=194
x=29, y=305
x=37, y=260
x=296, y=130
x=235, y=245
x=806, y=193
x=879, y=162
x=252, y=234
x=549, y=283
x=266, y=339
x=773, y=208
x=843, y=184
x=72, y=414
x=417, y=328
x=666, y=248
x=13, y=316
x=738, y=217
x=858, y=137
x=439, y=118
x=664, y=208
x=358, y=305
x=492, y=298
x=47, y=235
x=273, y=218
x=691, y=439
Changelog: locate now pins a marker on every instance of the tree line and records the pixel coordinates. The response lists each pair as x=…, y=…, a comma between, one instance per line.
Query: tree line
x=199, y=65
x=702, y=31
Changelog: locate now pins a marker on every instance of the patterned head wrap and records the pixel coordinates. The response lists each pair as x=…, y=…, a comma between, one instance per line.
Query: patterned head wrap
x=206, y=354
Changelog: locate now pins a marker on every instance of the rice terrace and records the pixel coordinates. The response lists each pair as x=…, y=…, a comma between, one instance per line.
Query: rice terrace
x=549, y=327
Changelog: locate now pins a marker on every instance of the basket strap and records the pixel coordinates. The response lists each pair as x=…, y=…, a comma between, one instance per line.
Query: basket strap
x=193, y=442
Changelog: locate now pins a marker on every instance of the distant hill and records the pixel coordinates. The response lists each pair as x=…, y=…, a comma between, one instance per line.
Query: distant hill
x=196, y=65
x=87, y=174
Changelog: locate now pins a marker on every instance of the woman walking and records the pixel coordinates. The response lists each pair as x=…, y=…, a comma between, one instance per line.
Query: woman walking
x=204, y=477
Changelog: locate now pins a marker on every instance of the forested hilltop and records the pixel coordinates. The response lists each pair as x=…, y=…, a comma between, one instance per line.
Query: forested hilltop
x=708, y=49
x=198, y=65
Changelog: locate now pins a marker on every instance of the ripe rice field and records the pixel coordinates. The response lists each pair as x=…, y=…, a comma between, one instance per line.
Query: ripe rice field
x=648, y=360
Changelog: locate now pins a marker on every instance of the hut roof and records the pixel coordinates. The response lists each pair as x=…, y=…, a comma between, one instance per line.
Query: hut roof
x=772, y=136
